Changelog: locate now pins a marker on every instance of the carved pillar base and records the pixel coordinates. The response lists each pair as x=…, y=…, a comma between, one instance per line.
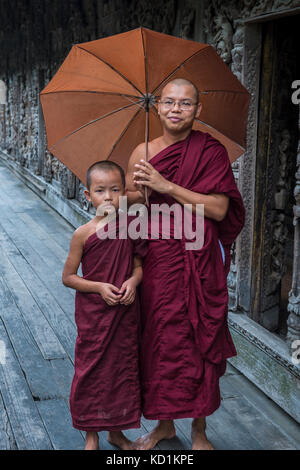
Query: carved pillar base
x=293, y=322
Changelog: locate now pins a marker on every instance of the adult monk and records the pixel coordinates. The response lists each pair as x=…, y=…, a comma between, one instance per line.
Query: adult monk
x=185, y=337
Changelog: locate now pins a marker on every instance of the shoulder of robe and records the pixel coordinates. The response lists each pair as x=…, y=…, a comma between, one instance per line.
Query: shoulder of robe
x=214, y=144
x=212, y=147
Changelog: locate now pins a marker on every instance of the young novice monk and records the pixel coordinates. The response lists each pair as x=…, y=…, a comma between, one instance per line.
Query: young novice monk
x=105, y=392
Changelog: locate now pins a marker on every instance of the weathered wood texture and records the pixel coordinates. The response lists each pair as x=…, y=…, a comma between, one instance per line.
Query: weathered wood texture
x=37, y=337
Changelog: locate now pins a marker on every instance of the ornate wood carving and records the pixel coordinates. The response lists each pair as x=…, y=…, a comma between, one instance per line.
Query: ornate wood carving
x=293, y=322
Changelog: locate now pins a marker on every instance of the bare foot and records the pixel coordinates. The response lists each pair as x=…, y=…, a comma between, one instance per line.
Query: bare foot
x=117, y=438
x=91, y=441
x=199, y=439
x=164, y=430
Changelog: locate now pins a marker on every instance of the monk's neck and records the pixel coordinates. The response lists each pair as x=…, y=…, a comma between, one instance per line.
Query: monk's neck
x=169, y=139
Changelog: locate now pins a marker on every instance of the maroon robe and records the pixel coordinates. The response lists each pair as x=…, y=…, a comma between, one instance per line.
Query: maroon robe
x=185, y=336
x=105, y=392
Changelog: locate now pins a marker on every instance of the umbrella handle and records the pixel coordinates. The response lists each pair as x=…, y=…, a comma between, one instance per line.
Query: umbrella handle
x=146, y=141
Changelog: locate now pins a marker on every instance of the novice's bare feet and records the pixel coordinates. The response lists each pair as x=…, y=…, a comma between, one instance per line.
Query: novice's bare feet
x=164, y=430
x=117, y=438
x=199, y=439
x=91, y=441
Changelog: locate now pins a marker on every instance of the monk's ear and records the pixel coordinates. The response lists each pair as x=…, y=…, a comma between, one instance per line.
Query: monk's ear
x=198, y=110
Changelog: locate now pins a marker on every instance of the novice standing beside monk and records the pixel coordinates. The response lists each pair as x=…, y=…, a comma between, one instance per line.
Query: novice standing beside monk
x=105, y=392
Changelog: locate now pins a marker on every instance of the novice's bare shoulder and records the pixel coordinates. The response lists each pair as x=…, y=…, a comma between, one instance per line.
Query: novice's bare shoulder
x=82, y=233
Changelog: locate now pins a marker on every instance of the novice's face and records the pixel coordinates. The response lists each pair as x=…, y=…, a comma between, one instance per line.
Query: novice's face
x=105, y=189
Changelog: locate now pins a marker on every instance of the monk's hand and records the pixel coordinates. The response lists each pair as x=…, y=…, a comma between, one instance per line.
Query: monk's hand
x=128, y=290
x=146, y=175
x=142, y=190
x=109, y=293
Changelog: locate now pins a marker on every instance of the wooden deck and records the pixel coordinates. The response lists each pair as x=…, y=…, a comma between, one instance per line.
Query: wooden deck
x=37, y=336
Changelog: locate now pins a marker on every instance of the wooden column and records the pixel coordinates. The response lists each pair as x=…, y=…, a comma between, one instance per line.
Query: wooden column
x=293, y=323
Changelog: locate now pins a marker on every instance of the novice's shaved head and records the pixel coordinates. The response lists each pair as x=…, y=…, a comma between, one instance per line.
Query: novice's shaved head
x=105, y=165
x=180, y=82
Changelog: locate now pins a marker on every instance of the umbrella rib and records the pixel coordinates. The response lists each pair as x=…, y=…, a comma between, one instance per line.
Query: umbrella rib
x=208, y=125
x=90, y=91
x=121, y=135
x=177, y=68
x=91, y=122
x=110, y=66
x=224, y=91
x=128, y=97
x=145, y=62
x=184, y=62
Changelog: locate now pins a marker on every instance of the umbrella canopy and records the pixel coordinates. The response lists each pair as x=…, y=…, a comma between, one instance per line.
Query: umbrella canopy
x=94, y=107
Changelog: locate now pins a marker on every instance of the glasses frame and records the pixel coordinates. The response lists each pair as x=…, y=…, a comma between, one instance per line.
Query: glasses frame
x=179, y=105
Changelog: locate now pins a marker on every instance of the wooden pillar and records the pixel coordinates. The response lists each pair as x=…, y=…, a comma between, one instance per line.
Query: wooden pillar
x=293, y=322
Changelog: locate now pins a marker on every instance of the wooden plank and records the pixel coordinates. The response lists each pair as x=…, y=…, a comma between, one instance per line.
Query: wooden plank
x=28, y=429
x=45, y=265
x=42, y=332
x=48, y=239
x=23, y=196
x=232, y=430
x=44, y=235
x=269, y=435
x=226, y=388
x=57, y=420
x=39, y=373
x=26, y=200
x=267, y=408
x=49, y=221
x=64, y=329
x=63, y=371
x=7, y=440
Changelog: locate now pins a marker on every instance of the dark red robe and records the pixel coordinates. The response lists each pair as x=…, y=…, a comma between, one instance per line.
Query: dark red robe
x=185, y=336
x=105, y=392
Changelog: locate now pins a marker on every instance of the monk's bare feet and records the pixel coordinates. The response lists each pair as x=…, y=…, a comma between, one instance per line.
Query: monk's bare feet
x=91, y=441
x=117, y=438
x=164, y=430
x=199, y=439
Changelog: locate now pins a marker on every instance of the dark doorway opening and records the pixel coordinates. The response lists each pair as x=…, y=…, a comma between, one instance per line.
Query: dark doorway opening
x=277, y=143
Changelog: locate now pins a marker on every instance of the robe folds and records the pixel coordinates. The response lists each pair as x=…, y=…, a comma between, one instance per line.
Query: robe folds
x=185, y=335
x=105, y=391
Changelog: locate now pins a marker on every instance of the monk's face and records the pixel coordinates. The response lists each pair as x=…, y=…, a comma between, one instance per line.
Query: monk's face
x=105, y=189
x=176, y=119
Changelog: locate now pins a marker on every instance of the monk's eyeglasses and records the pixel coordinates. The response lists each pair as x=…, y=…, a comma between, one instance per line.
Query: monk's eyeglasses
x=184, y=105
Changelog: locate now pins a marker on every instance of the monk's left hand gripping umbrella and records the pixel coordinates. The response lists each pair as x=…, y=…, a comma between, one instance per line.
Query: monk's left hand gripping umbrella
x=101, y=103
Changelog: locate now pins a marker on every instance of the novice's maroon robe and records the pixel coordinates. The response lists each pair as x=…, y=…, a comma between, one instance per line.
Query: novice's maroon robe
x=185, y=336
x=105, y=392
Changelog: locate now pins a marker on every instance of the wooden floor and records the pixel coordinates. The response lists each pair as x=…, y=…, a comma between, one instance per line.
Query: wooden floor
x=37, y=336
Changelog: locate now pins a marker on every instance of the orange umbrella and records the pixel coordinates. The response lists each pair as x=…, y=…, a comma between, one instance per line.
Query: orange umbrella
x=101, y=102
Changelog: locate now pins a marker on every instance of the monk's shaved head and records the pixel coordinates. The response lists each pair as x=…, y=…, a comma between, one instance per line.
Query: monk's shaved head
x=180, y=82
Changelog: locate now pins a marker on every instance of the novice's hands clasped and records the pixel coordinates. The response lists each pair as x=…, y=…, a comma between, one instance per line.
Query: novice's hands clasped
x=128, y=290
x=113, y=296
x=109, y=293
x=146, y=175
